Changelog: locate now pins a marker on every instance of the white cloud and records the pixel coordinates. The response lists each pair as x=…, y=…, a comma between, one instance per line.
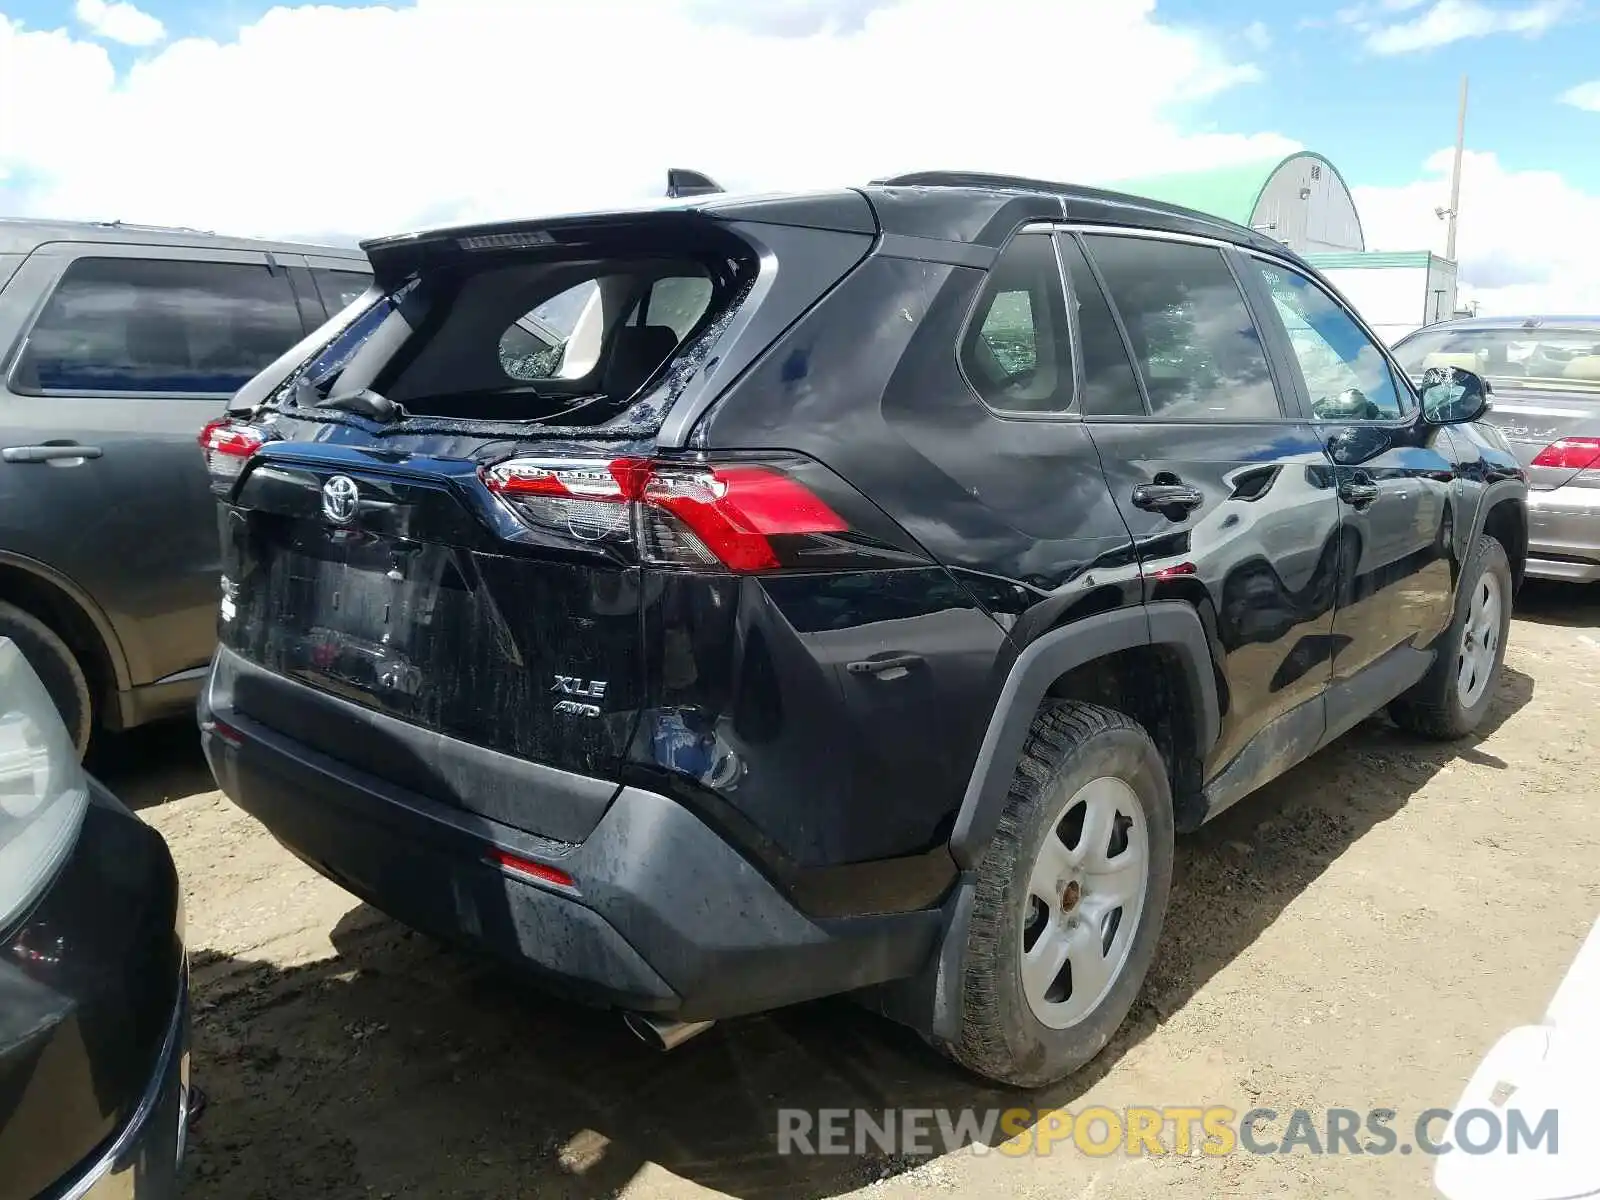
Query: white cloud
x=1257, y=36
x=119, y=22
x=1447, y=21
x=1585, y=95
x=789, y=18
x=324, y=120
x=426, y=120
x=1522, y=236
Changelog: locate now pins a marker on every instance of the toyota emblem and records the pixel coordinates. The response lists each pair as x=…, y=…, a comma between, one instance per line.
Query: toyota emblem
x=340, y=498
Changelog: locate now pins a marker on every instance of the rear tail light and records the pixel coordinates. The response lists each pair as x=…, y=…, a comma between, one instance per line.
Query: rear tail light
x=228, y=445
x=742, y=516
x=1571, y=454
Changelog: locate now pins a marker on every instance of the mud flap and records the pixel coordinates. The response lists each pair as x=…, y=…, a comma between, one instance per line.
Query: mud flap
x=930, y=1001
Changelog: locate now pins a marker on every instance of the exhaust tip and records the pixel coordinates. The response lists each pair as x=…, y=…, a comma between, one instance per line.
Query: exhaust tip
x=661, y=1034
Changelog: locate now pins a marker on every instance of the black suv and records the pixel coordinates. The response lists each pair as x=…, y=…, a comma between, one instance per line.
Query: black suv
x=733, y=602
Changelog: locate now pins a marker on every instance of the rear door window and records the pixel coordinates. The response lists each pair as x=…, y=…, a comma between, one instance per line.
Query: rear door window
x=158, y=326
x=339, y=289
x=1017, y=351
x=677, y=303
x=1192, y=335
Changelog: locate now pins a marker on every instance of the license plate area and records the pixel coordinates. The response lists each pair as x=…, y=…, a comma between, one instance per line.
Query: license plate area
x=361, y=612
x=375, y=590
x=469, y=644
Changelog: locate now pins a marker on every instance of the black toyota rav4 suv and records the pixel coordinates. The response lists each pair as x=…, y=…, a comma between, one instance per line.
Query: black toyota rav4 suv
x=737, y=601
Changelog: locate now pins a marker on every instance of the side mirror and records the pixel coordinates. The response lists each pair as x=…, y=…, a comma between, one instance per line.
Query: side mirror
x=1451, y=396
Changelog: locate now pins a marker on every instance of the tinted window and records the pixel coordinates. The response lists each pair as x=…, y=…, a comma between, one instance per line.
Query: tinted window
x=1192, y=335
x=148, y=325
x=677, y=303
x=1109, y=385
x=1346, y=375
x=339, y=288
x=1017, y=349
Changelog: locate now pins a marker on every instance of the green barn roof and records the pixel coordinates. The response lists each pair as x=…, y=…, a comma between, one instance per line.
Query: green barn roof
x=1230, y=192
x=1227, y=192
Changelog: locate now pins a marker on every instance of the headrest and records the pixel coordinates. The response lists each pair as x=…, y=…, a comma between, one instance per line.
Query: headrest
x=1585, y=367
x=1462, y=362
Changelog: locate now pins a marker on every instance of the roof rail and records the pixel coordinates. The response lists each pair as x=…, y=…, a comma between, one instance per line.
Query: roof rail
x=153, y=228
x=977, y=179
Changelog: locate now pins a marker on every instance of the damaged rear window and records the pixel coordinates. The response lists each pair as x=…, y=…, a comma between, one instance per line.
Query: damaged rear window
x=517, y=340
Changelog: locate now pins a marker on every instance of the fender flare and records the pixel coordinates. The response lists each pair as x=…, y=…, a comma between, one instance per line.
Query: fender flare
x=1500, y=489
x=1168, y=623
x=1483, y=503
x=109, y=641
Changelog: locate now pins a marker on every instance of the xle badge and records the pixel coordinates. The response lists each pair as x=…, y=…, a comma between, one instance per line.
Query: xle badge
x=588, y=689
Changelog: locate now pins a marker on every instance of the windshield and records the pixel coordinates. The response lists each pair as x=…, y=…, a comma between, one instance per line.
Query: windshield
x=1565, y=359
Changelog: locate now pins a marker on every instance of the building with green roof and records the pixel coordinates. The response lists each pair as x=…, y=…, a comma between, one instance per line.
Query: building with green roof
x=1301, y=200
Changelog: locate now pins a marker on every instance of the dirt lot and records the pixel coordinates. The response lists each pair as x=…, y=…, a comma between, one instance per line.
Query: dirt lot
x=1356, y=935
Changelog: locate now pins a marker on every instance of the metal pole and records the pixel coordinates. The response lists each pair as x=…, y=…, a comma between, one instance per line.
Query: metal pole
x=1455, y=175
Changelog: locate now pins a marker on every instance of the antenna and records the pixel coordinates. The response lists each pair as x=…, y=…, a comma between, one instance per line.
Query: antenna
x=683, y=182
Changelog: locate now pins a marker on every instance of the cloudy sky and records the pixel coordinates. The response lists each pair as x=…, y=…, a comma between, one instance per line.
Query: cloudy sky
x=341, y=120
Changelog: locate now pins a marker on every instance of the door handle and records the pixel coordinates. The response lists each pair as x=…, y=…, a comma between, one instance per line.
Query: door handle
x=48, y=453
x=1358, y=493
x=1172, y=500
x=892, y=667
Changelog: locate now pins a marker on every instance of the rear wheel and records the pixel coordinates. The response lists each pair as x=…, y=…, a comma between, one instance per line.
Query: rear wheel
x=1454, y=695
x=1070, y=898
x=57, y=668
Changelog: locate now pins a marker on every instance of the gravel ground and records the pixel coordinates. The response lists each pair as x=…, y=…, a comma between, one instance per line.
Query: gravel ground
x=1356, y=935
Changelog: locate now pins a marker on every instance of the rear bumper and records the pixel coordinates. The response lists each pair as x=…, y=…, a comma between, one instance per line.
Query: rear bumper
x=1564, y=534
x=663, y=915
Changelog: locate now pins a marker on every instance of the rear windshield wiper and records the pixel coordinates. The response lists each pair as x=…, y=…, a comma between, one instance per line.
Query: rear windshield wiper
x=363, y=402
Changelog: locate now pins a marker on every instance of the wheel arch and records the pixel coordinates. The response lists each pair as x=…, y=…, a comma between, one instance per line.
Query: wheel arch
x=1083, y=660
x=75, y=618
x=1505, y=518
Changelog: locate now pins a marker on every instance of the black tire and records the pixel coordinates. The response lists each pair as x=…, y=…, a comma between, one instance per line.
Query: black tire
x=1070, y=745
x=1434, y=707
x=57, y=668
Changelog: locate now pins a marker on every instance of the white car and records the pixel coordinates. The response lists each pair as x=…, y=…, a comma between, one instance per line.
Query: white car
x=1534, y=1071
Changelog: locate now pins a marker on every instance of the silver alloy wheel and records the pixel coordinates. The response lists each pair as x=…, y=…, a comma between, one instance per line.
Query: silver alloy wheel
x=1480, y=640
x=1084, y=899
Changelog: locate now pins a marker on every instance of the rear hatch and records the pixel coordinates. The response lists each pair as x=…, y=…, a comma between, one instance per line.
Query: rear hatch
x=438, y=529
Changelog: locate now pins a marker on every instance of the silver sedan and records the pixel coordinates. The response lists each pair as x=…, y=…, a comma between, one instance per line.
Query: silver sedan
x=1544, y=373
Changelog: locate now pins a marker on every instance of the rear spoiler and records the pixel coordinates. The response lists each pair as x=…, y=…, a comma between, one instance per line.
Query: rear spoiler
x=396, y=259
x=696, y=210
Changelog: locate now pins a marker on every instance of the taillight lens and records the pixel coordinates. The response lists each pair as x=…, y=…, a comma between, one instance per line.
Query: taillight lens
x=228, y=445
x=1572, y=454
x=737, y=516
x=728, y=515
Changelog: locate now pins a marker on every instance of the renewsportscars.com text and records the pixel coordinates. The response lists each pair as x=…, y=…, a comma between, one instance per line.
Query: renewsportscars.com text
x=1169, y=1129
